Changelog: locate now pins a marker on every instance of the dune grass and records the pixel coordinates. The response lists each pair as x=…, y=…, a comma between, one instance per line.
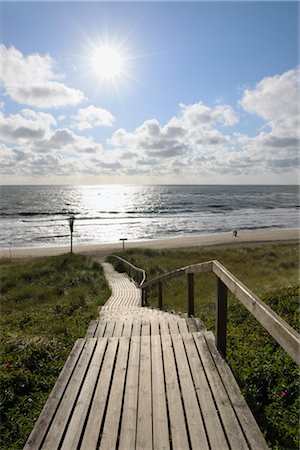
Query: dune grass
x=269, y=379
x=46, y=304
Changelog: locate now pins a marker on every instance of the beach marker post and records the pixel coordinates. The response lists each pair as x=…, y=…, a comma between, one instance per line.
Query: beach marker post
x=123, y=239
x=71, y=225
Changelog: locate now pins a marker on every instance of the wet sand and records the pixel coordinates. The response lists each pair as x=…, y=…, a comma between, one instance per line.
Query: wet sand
x=168, y=243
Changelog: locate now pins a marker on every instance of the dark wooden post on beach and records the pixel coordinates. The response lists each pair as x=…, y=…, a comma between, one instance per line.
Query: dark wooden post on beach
x=123, y=239
x=160, y=294
x=71, y=225
x=191, y=308
x=221, y=317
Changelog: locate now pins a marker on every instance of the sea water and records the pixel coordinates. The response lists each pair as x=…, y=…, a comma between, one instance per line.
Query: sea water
x=38, y=215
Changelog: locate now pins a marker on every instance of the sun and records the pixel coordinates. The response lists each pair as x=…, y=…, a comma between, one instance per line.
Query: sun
x=107, y=62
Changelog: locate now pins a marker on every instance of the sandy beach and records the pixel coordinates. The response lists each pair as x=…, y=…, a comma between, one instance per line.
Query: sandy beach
x=168, y=243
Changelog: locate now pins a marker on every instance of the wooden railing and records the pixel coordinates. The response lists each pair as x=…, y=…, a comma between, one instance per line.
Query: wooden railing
x=137, y=274
x=283, y=333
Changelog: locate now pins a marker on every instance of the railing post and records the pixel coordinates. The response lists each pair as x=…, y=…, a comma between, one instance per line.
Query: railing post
x=145, y=297
x=191, y=308
x=221, y=317
x=160, y=295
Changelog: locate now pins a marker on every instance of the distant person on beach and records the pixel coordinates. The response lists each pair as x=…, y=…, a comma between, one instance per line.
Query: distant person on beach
x=235, y=233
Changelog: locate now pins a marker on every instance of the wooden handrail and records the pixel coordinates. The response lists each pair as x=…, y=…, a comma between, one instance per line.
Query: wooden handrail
x=278, y=328
x=132, y=266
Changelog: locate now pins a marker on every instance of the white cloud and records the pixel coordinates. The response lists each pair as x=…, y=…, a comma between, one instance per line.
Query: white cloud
x=25, y=126
x=90, y=117
x=31, y=79
x=274, y=98
x=193, y=131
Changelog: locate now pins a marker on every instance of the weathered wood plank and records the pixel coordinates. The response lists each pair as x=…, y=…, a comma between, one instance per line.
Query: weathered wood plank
x=144, y=418
x=136, y=327
x=229, y=420
x=164, y=328
x=195, y=424
x=113, y=414
x=182, y=326
x=75, y=427
x=95, y=418
x=160, y=418
x=64, y=411
x=127, y=328
x=118, y=328
x=100, y=329
x=91, y=329
x=40, y=429
x=246, y=419
x=129, y=418
x=109, y=330
x=176, y=414
x=154, y=327
x=145, y=328
x=211, y=418
x=191, y=324
x=173, y=327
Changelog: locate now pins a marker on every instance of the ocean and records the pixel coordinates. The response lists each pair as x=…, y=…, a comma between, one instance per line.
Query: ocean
x=37, y=216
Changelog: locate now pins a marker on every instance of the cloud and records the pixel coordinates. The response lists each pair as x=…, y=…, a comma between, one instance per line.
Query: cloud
x=274, y=98
x=31, y=80
x=192, y=131
x=90, y=117
x=25, y=126
x=63, y=139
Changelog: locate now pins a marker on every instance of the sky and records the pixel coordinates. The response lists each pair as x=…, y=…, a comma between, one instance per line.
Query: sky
x=149, y=92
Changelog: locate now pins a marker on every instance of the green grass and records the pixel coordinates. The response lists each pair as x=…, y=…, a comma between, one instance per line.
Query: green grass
x=269, y=379
x=46, y=304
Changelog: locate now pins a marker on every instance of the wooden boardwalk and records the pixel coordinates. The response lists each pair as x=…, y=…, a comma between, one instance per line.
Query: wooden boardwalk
x=144, y=379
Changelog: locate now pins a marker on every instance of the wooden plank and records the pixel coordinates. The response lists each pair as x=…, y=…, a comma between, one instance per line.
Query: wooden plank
x=100, y=329
x=154, y=327
x=164, y=327
x=64, y=411
x=173, y=327
x=91, y=329
x=182, y=326
x=40, y=429
x=136, y=327
x=201, y=267
x=160, y=417
x=246, y=419
x=113, y=414
x=282, y=332
x=95, y=418
x=109, y=330
x=79, y=414
x=176, y=414
x=211, y=418
x=144, y=418
x=191, y=325
x=195, y=424
x=129, y=418
x=229, y=420
x=127, y=328
x=145, y=328
x=118, y=328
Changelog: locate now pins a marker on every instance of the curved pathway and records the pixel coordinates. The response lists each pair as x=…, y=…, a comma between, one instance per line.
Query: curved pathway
x=144, y=379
